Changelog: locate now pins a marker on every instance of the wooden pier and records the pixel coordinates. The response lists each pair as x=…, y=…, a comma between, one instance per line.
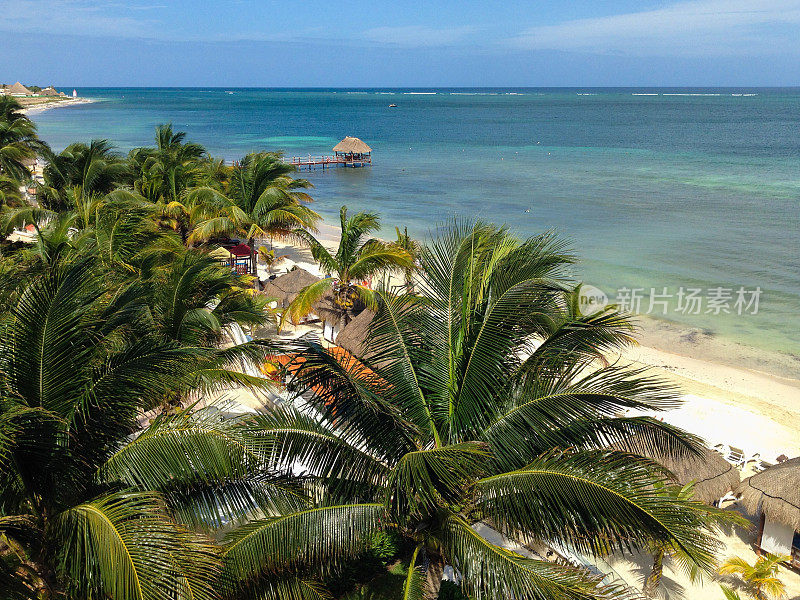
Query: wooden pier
x=325, y=162
x=350, y=152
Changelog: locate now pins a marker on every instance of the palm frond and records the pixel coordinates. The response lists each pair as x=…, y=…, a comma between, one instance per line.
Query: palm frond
x=124, y=546
x=596, y=500
x=489, y=571
x=319, y=536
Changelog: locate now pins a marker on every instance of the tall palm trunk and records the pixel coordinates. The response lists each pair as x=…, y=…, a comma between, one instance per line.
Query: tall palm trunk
x=433, y=577
x=253, y=261
x=654, y=579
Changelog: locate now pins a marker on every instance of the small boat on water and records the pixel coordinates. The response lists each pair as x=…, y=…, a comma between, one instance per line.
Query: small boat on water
x=393, y=106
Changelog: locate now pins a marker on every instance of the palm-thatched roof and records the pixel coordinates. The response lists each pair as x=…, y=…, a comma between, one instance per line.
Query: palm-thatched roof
x=49, y=91
x=713, y=476
x=352, y=145
x=20, y=89
x=776, y=492
x=353, y=337
x=286, y=287
x=328, y=310
x=220, y=254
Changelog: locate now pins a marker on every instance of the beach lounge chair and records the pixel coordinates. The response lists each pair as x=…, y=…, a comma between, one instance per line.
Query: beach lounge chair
x=762, y=465
x=735, y=456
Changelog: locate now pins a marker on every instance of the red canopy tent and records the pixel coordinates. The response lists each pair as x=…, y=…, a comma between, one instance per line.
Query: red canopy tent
x=241, y=257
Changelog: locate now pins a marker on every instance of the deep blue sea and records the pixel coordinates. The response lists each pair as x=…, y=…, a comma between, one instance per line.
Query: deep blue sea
x=693, y=189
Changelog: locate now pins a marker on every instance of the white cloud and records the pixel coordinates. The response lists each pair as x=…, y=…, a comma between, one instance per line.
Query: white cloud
x=76, y=17
x=689, y=28
x=415, y=36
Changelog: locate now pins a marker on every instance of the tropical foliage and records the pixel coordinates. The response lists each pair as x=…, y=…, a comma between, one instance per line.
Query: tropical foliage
x=78, y=514
x=479, y=403
x=357, y=259
x=759, y=580
x=19, y=142
x=714, y=518
x=484, y=403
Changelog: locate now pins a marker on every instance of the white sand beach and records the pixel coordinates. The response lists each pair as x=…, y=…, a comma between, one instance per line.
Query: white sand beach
x=727, y=399
x=60, y=103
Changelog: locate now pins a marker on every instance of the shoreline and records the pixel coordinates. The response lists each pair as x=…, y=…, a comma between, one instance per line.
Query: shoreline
x=724, y=384
x=43, y=106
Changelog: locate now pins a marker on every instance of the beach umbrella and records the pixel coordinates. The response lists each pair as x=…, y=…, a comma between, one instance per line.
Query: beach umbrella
x=220, y=254
x=776, y=492
x=713, y=476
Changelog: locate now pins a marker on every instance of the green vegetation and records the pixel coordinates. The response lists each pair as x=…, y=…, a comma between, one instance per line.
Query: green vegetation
x=486, y=400
x=759, y=581
x=357, y=259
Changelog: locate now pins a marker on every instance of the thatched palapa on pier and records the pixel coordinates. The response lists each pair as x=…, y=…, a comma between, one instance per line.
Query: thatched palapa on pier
x=352, y=145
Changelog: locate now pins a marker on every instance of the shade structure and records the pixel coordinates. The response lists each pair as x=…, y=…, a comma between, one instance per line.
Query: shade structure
x=240, y=250
x=713, y=476
x=19, y=90
x=775, y=492
x=352, y=145
x=353, y=337
x=285, y=288
x=220, y=254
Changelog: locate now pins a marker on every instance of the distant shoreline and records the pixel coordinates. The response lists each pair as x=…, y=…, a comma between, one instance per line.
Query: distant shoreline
x=36, y=108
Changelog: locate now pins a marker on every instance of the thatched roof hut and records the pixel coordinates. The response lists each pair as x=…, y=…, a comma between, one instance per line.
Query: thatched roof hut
x=286, y=287
x=49, y=91
x=352, y=145
x=220, y=254
x=18, y=90
x=328, y=310
x=353, y=337
x=713, y=476
x=775, y=492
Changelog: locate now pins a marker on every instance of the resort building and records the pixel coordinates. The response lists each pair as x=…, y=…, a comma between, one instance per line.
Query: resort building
x=774, y=495
x=18, y=90
x=49, y=91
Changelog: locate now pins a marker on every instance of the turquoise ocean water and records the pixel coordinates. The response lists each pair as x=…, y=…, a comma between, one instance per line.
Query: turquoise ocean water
x=656, y=188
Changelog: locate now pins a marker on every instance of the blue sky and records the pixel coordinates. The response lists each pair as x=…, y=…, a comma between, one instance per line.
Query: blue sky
x=400, y=43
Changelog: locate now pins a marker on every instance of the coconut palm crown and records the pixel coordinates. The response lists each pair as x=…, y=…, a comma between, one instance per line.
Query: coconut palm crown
x=19, y=142
x=262, y=200
x=359, y=257
x=480, y=404
x=73, y=385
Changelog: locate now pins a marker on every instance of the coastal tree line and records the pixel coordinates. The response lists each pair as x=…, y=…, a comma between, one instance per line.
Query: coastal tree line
x=485, y=400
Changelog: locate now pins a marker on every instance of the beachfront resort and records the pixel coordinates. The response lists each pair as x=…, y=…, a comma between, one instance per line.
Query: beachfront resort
x=209, y=392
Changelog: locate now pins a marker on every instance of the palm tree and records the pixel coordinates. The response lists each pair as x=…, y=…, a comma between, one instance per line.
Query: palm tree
x=483, y=403
x=760, y=579
x=73, y=386
x=162, y=173
x=357, y=259
x=714, y=518
x=414, y=248
x=265, y=201
x=10, y=195
x=80, y=175
x=18, y=140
